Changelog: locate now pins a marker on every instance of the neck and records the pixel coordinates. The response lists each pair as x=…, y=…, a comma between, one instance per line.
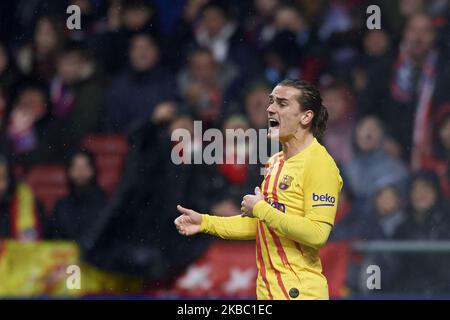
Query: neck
x=297, y=143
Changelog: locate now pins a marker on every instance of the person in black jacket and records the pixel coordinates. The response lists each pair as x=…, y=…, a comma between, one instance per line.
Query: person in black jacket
x=428, y=219
x=135, y=92
x=135, y=233
x=77, y=212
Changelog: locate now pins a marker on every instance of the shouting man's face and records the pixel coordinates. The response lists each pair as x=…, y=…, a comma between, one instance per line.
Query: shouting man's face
x=284, y=113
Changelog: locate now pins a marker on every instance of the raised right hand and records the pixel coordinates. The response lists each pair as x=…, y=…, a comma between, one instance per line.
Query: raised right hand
x=189, y=222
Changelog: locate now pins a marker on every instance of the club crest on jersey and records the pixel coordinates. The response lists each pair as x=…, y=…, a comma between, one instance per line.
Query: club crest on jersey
x=285, y=182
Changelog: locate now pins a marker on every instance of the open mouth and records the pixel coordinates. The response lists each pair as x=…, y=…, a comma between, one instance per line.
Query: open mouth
x=273, y=123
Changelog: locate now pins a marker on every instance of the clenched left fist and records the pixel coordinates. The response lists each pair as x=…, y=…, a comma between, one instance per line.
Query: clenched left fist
x=249, y=201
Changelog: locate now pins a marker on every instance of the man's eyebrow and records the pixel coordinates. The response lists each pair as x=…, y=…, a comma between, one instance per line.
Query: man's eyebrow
x=282, y=99
x=271, y=96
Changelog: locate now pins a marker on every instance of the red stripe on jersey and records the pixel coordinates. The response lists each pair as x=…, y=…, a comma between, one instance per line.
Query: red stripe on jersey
x=275, y=238
x=261, y=264
x=267, y=178
x=281, y=252
x=266, y=181
x=275, y=183
x=280, y=281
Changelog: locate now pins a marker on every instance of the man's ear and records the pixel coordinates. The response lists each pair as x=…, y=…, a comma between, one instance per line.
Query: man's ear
x=307, y=117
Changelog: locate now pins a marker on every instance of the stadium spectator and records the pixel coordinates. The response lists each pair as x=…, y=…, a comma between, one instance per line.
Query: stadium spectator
x=409, y=8
x=336, y=19
x=234, y=174
x=385, y=216
x=44, y=129
x=76, y=93
x=238, y=178
x=371, y=165
x=75, y=214
x=241, y=179
x=259, y=27
x=427, y=219
x=125, y=19
x=234, y=171
x=220, y=32
x=387, y=213
x=290, y=18
x=336, y=33
x=377, y=220
x=339, y=100
x=290, y=50
x=278, y=18
x=281, y=57
x=27, y=131
x=21, y=217
x=376, y=53
x=440, y=11
x=179, y=41
x=416, y=86
x=39, y=58
x=9, y=77
x=204, y=85
x=427, y=215
x=439, y=160
x=139, y=16
x=398, y=12
x=134, y=93
x=256, y=97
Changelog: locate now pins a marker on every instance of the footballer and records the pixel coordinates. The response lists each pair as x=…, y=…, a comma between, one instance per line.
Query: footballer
x=291, y=215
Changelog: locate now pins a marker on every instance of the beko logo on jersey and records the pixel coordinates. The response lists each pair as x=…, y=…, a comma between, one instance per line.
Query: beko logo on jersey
x=329, y=200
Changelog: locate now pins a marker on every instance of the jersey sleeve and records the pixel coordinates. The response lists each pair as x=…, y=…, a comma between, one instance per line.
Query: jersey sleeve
x=321, y=186
x=300, y=229
x=229, y=228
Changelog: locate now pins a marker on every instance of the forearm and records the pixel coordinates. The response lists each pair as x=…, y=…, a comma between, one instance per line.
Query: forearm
x=229, y=228
x=300, y=229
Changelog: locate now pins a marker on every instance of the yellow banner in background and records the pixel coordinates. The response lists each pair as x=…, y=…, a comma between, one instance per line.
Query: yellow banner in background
x=30, y=269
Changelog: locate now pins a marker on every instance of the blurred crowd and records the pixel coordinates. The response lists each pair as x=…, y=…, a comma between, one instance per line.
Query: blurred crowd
x=143, y=68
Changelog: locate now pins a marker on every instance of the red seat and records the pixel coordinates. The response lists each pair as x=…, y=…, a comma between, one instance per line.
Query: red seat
x=109, y=161
x=105, y=143
x=49, y=184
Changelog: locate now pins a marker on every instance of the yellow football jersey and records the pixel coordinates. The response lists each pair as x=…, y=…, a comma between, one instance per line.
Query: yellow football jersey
x=301, y=196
